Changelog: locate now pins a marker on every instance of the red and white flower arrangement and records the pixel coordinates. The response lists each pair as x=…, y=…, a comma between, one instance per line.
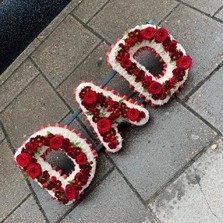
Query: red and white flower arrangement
x=156, y=89
x=105, y=110
x=31, y=157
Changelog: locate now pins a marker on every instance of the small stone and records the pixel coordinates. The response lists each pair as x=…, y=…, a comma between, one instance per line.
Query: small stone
x=214, y=146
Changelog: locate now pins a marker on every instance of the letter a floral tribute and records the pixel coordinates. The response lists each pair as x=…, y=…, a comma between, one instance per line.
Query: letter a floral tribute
x=31, y=157
x=105, y=110
x=156, y=89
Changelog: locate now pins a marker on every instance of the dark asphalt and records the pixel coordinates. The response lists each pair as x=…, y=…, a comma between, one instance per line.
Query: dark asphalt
x=20, y=22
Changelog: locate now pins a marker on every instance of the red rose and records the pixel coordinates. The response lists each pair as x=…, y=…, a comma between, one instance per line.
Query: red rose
x=81, y=159
x=133, y=114
x=34, y=170
x=56, y=142
x=126, y=62
x=104, y=125
x=148, y=33
x=70, y=192
x=184, y=62
x=23, y=159
x=155, y=88
x=90, y=97
x=161, y=35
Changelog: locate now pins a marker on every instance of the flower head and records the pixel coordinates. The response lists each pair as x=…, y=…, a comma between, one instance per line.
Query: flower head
x=133, y=114
x=34, y=170
x=155, y=88
x=161, y=35
x=148, y=33
x=104, y=125
x=56, y=142
x=70, y=192
x=90, y=97
x=23, y=159
x=81, y=159
x=184, y=62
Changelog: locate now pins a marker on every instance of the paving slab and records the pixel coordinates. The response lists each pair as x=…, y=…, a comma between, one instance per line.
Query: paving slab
x=65, y=48
x=17, y=82
x=190, y=27
x=207, y=101
x=153, y=154
x=220, y=15
x=28, y=211
x=58, y=19
x=13, y=187
x=87, y=9
x=196, y=196
x=119, y=16
x=53, y=210
x=112, y=201
x=37, y=105
x=94, y=68
x=209, y=7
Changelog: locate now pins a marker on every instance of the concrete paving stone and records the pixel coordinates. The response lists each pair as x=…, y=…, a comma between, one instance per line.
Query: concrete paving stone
x=111, y=201
x=119, y=16
x=87, y=9
x=153, y=154
x=37, y=105
x=120, y=85
x=209, y=7
x=13, y=187
x=196, y=196
x=65, y=48
x=220, y=15
x=17, y=82
x=94, y=68
x=58, y=19
x=201, y=37
x=28, y=211
x=207, y=101
x=54, y=210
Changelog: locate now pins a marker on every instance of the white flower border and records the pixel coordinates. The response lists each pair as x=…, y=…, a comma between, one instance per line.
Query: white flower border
x=73, y=137
x=158, y=47
x=116, y=97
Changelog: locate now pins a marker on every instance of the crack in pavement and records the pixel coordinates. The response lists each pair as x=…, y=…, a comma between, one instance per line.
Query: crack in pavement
x=198, y=179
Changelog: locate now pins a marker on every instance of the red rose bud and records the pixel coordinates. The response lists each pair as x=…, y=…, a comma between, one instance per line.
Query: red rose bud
x=155, y=88
x=148, y=33
x=184, y=62
x=34, y=170
x=104, y=125
x=161, y=35
x=147, y=80
x=29, y=146
x=56, y=142
x=133, y=114
x=81, y=159
x=23, y=159
x=71, y=193
x=113, y=144
x=126, y=62
x=90, y=97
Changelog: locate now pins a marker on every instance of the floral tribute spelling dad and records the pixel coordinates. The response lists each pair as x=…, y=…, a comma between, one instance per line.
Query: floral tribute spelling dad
x=105, y=110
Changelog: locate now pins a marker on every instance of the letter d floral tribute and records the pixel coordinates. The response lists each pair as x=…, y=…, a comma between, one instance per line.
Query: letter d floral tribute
x=105, y=110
